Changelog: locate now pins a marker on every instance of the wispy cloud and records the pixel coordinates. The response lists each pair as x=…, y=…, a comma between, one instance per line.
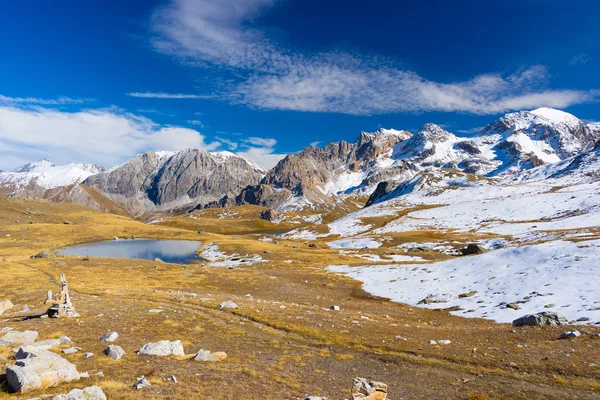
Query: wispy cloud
x=161, y=95
x=5, y=100
x=470, y=131
x=195, y=122
x=220, y=34
x=261, y=151
x=579, y=59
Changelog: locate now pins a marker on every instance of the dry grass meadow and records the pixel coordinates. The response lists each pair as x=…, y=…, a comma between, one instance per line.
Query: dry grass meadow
x=282, y=342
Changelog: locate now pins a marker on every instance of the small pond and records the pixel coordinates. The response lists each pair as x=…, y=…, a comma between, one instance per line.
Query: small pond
x=172, y=251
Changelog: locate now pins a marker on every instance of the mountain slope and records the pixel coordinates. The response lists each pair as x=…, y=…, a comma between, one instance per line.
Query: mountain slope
x=47, y=175
x=166, y=181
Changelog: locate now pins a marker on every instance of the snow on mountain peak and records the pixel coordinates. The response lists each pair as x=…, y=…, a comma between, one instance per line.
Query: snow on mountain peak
x=556, y=116
x=36, y=166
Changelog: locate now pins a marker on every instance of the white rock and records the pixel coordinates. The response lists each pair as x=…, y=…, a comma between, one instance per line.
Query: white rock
x=5, y=305
x=141, y=383
x=444, y=342
x=115, y=352
x=205, y=355
x=89, y=393
x=570, y=334
x=109, y=337
x=228, y=304
x=83, y=375
x=65, y=340
x=432, y=342
x=163, y=348
x=89, y=355
x=71, y=350
x=40, y=371
x=16, y=337
x=335, y=308
x=39, y=346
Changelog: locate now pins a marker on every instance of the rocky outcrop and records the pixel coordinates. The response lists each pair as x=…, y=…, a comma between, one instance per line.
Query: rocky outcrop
x=41, y=370
x=12, y=338
x=540, y=319
x=166, y=181
x=365, y=390
x=115, y=352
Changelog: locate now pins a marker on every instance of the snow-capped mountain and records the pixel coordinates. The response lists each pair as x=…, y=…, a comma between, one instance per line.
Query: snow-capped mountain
x=47, y=175
x=514, y=143
x=162, y=181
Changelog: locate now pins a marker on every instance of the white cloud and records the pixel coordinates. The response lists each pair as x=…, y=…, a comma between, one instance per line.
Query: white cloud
x=106, y=137
x=5, y=100
x=579, y=59
x=161, y=95
x=220, y=33
x=195, y=122
x=261, y=151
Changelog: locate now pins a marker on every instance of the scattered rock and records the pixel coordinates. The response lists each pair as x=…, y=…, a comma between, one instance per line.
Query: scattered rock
x=205, y=355
x=163, y=348
x=467, y=294
x=539, y=319
x=89, y=393
x=84, y=375
x=315, y=398
x=514, y=306
x=43, y=254
x=71, y=350
x=37, y=347
x=114, y=352
x=312, y=246
x=335, y=308
x=268, y=215
x=432, y=342
x=445, y=342
x=40, y=371
x=5, y=305
x=141, y=383
x=364, y=390
x=435, y=299
x=570, y=334
x=89, y=355
x=109, y=337
x=15, y=337
x=228, y=304
x=65, y=340
x=471, y=248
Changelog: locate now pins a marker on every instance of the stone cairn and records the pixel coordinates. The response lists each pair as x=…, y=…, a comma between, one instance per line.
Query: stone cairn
x=60, y=305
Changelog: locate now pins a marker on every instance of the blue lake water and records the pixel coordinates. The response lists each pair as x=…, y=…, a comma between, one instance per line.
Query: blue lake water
x=172, y=251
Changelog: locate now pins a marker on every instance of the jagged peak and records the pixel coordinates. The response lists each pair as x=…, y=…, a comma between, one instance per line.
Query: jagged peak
x=433, y=132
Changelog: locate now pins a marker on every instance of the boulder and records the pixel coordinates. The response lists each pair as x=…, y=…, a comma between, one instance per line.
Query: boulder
x=115, y=352
x=228, y=304
x=335, y=308
x=141, y=383
x=37, y=347
x=16, y=337
x=539, y=319
x=471, y=248
x=40, y=371
x=570, y=334
x=5, y=305
x=163, y=348
x=43, y=254
x=364, y=390
x=269, y=215
x=205, y=355
x=109, y=337
x=89, y=393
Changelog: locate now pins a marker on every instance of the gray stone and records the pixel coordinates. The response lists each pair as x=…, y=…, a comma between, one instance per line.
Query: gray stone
x=16, y=337
x=540, y=319
x=432, y=342
x=89, y=355
x=37, y=347
x=40, y=371
x=444, y=342
x=365, y=390
x=335, y=308
x=71, y=350
x=570, y=334
x=65, y=340
x=205, y=355
x=163, y=348
x=89, y=393
x=228, y=304
x=109, y=337
x=142, y=383
x=115, y=352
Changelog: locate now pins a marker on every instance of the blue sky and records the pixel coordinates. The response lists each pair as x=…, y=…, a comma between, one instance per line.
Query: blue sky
x=99, y=81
